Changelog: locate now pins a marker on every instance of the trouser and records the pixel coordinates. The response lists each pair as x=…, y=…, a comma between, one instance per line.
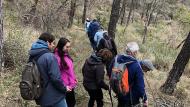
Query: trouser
x=61, y=103
x=127, y=104
x=70, y=99
x=95, y=95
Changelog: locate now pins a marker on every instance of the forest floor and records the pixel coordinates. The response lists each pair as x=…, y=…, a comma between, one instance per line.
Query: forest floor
x=9, y=81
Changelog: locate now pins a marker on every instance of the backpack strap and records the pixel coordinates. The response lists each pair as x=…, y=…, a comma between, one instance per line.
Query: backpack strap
x=34, y=59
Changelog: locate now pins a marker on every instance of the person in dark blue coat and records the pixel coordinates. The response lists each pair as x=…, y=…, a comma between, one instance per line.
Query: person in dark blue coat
x=135, y=77
x=54, y=89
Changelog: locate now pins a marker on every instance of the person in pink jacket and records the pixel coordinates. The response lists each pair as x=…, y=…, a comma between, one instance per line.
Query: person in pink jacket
x=66, y=68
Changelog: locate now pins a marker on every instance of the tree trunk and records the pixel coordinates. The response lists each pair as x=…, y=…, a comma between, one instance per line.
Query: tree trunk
x=1, y=37
x=123, y=10
x=145, y=34
x=72, y=13
x=33, y=8
x=130, y=12
x=178, y=68
x=115, y=13
x=84, y=11
x=150, y=10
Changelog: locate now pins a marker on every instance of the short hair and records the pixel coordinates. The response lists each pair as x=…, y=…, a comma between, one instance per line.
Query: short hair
x=47, y=37
x=105, y=54
x=132, y=47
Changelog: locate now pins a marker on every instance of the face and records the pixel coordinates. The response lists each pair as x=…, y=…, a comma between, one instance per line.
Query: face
x=145, y=69
x=132, y=54
x=67, y=47
x=51, y=45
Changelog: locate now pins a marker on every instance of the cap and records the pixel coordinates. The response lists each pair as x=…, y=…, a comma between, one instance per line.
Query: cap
x=147, y=63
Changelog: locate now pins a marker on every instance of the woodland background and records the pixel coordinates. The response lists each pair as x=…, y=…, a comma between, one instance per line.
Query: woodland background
x=160, y=27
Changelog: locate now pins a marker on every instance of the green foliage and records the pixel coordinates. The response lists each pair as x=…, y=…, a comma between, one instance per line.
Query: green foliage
x=164, y=55
x=182, y=14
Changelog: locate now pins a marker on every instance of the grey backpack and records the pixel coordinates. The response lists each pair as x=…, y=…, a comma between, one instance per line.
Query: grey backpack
x=31, y=81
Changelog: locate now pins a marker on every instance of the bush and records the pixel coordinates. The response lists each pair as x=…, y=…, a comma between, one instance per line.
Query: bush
x=15, y=50
x=183, y=15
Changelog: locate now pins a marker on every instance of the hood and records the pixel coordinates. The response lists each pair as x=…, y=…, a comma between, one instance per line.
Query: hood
x=126, y=59
x=38, y=47
x=36, y=52
x=94, y=60
x=39, y=44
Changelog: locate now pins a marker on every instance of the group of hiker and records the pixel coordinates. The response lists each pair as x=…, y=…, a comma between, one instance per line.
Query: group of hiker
x=125, y=72
x=57, y=76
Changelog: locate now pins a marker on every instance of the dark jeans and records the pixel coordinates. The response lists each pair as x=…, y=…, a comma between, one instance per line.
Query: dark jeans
x=61, y=103
x=95, y=95
x=127, y=104
x=70, y=99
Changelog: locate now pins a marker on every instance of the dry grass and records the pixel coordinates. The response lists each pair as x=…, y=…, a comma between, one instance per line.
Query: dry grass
x=9, y=91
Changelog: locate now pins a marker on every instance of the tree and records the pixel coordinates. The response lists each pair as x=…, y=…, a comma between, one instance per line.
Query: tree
x=1, y=37
x=72, y=13
x=178, y=68
x=123, y=10
x=84, y=11
x=115, y=13
x=151, y=8
x=130, y=12
x=28, y=18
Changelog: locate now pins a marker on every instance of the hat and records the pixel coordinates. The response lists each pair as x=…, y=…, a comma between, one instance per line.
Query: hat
x=132, y=46
x=147, y=63
x=87, y=19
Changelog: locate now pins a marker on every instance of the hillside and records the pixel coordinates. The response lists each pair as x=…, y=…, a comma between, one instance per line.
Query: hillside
x=163, y=36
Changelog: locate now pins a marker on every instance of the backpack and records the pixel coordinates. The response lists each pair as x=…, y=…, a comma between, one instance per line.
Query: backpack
x=107, y=41
x=93, y=28
x=31, y=83
x=119, y=78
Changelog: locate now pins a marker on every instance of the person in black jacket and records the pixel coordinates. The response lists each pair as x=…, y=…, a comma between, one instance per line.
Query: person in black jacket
x=93, y=76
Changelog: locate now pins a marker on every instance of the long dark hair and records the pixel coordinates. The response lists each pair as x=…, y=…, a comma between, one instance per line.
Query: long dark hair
x=61, y=43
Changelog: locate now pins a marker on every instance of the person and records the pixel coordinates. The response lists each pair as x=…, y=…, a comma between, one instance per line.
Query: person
x=92, y=29
x=87, y=23
x=146, y=65
x=135, y=77
x=66, y=66
x=54, y=89
x=93, y=76
x=103, y=40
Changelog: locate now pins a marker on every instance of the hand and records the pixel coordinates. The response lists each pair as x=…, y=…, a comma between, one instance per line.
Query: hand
x=145, y=104
x=68, y=88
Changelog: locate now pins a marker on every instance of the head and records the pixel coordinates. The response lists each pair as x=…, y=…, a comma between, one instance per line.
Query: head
x=87, y=19
x=132, y=49
x=49, y=38
x=105, y=54
x=146, y=65
x=63, y=45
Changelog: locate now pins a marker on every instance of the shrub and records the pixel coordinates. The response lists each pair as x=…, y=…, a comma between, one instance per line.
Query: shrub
x=15, y=50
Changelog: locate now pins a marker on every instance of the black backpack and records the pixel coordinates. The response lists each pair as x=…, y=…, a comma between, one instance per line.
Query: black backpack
x=31, y=83
x=107, y=43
